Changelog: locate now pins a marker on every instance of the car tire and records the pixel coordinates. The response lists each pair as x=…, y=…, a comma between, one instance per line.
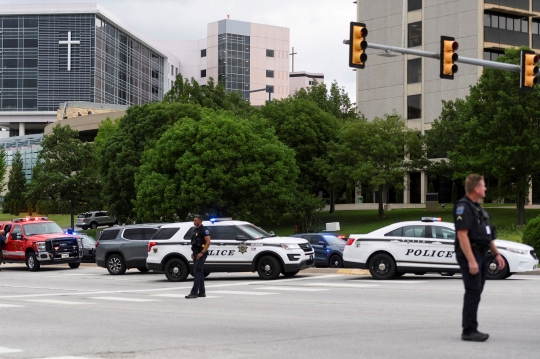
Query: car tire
x=382, y=266
x=93, y=225
x=492, y=272
x=290, y=274
x=399, y=274
x=447, y=274
x=74, y=265
x=31, y=262
x=268, y=268
x=206, y=274
x=335, y=261
x=116, y=264
x=143, y=269
x=176, y=270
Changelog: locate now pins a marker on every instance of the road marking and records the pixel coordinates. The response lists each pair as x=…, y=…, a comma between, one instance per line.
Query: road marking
x=102, y=274
x=68, y=357
x=292, y=288
x=11, y=306
x=52, y=301
x=344, y=285
x=4, y=350
x=386, y=281
x=240, y=292
x=123, y=299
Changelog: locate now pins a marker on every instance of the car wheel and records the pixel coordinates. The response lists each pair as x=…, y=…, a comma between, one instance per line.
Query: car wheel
x=447, y=274
x=290, y=274
x=93, y=225
x=74, y=265
x=116, y=265
x=176, y=270
x=268, y=268
x=32, y=263
x=382, y=266
x=143, y=269
x=336, y=261
x=206, y=274
x=492, y=270
x=399, y=274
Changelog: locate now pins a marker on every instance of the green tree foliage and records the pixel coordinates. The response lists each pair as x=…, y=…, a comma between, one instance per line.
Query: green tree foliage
x=305, y=209
x=495, y=131
x=3, y=169
x=16, y=185
x=377, y=153
x=65, y=171
x=454, y=193
x=216, y=164
x=105, y=130
x=531, y=234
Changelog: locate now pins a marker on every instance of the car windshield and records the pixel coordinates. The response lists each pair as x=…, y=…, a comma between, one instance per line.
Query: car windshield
x=88, y=242
x=42, y=228
x=255, y=232
x=333, y=240
x=84, y=215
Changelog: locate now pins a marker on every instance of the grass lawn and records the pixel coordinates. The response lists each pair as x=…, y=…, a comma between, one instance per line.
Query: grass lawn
x=364, y=221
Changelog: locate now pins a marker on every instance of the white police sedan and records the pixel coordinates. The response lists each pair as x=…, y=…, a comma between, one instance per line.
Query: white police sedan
x=426, y=246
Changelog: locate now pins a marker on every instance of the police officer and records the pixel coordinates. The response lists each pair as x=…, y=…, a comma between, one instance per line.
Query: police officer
x=474, y=239
x=200, y=242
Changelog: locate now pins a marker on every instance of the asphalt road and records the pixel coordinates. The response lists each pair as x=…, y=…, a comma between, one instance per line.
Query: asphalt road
x=87, y=313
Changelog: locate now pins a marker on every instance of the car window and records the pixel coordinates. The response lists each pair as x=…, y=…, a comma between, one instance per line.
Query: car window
x=133, y=233
x=165, y=233
x=333, y=240
x=149, y=232
x=110, y=234
x=395, y=233
x=84, y=215
x=16, y=229
x=414, y=231
x=7, y=228
x=254, y=232
x=308, y=238
x=226, y=232
x=88, y=242
x=189, y=233
x=41, y=228
x=443, y=233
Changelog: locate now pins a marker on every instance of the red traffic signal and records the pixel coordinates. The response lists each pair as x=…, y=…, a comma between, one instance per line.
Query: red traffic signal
x=528, y=70
x=448, y=57
x=357, y=45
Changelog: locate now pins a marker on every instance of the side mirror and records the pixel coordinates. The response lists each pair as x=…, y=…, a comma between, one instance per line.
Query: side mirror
x=17, y=236
x=321, y=243
x=272, y=233
x=241, y=237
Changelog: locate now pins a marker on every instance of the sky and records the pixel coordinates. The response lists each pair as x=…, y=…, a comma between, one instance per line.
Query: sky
x=318, y=27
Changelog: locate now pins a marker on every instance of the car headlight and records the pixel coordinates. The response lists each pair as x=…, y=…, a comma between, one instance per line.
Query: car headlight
x=514, y=250
x=41, y=246
x=290, y=246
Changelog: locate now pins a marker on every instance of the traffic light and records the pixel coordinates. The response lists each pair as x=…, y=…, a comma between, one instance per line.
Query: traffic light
x=357, y=45
x=448, y=57
x=528, y=70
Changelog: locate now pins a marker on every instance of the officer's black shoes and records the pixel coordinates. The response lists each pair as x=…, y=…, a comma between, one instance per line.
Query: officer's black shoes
x=475, y=337
x=201, y=295
x=191, y=296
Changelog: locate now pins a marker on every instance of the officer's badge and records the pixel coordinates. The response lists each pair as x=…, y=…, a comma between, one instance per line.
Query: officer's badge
x=242, y=248
x=460, y=210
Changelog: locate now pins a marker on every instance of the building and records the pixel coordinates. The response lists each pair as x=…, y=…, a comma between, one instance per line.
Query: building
x=302, y=79
x=248, y=57
x=28, y=146
x=73, y=52
x=409, y=84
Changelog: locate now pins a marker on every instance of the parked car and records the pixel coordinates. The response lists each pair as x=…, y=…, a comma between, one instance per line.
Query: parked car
x=89, y=248
x=328, y=248
x=123, y=247
x=94, y=219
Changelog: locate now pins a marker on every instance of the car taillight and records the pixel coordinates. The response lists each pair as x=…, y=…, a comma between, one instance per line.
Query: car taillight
x=97, y=244
x=150, y=245
x=350, y=241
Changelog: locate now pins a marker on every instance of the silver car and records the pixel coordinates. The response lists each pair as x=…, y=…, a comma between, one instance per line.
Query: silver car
x=94, y=219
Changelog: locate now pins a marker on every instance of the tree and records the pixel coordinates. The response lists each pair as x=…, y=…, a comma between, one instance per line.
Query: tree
x=16, y=185
x=378, y=153
x=3, y=170
x=218, y=165
x=495, y=131
x=65, y=170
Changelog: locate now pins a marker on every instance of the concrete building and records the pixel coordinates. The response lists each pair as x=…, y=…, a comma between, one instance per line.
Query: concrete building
x=73, y=52
x=302, y=79
x=410, y=85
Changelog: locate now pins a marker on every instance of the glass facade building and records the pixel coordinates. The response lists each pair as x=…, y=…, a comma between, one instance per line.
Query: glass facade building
x=28, y=146
x=234, y=62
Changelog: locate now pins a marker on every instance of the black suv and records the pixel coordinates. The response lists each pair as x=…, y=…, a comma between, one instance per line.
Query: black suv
x=123, y=247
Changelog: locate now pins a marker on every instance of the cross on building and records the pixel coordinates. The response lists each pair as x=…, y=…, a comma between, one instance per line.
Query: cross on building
x=292, y=55
x=69, y=42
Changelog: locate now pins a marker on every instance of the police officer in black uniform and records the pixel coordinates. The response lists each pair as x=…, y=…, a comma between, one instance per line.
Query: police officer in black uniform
x=200, y=242
x=474, y=239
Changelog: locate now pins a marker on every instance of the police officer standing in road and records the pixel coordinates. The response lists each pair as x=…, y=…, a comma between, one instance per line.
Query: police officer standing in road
x=474, y=239
x=200, y=242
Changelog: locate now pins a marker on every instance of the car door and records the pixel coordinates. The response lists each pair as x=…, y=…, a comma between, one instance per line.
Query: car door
x=134, y=247
x=15, y=248
x=101, y=218
x=442, y=247
x=227, y=250
x=319, y=247
x=410, y=247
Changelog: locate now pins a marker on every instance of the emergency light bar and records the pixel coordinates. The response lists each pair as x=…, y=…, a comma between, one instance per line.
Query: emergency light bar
x=431, y=219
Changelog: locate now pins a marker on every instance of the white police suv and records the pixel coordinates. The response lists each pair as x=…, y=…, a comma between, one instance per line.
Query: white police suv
x=426, y=246
x=237, y=246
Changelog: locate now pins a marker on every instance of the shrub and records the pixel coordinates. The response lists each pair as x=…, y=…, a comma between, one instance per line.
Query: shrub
x=531, y=234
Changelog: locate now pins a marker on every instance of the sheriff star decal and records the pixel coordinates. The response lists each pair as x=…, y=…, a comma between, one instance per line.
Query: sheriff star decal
x=358, y=244
x=242, y=248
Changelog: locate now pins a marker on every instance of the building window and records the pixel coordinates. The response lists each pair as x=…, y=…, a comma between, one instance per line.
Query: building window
x=203, y=53
x=172, y=83
x=414, y=5
x=269, y=53
x=519, y=4
x=415, y=34
x=269, y=88
x=414, y=71
x=536, y=5
x=176, y=71
x=172, y=70
x=310, y=83
x=492, y=55
x=414, y=108
x=203, y=73
x=270, y=73
x=506, y=29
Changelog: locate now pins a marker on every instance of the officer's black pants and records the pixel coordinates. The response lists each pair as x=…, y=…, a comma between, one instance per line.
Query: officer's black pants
x=198, y=282
x=474, y=284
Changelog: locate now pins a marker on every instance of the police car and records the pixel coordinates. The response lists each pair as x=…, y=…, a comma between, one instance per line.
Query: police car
x=426, y=246
x=237, y=246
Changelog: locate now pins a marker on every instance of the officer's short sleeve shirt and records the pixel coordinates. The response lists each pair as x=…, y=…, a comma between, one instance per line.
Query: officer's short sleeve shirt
x=464, y=217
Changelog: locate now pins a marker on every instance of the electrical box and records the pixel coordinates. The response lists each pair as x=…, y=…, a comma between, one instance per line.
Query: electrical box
x=332, y=227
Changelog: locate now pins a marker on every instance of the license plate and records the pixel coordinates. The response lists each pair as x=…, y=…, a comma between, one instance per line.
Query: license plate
x=65, y=255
